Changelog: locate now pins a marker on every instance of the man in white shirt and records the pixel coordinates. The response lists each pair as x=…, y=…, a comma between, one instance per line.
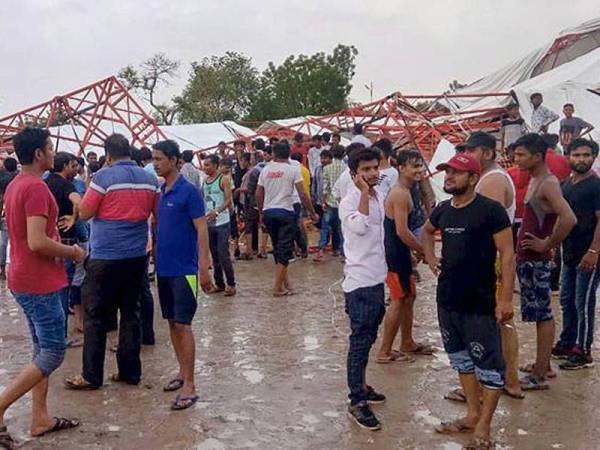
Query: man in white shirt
x=388, y=175
x=541, y=117
x=344, y=182
x=362, y=213
x=274, y=197
x=314, y=154
x=360, y=137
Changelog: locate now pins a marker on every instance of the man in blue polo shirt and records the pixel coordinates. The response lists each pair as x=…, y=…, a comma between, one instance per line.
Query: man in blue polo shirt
x=182, y=236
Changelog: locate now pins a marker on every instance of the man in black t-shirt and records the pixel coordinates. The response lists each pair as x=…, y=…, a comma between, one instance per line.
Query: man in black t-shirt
x=6, y=176
x=474, y=228
x=60, y=182
x=581, y=272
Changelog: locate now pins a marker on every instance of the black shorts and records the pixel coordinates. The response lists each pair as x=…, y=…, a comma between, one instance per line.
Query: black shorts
x=251, y=217
x=178, y=298
x=473, y=344
x=281, y=228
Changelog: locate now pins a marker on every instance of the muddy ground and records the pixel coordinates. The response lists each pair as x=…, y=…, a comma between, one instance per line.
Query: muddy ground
x=271, y=374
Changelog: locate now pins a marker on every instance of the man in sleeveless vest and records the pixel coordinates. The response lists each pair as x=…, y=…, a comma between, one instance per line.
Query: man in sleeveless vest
x=547, y=220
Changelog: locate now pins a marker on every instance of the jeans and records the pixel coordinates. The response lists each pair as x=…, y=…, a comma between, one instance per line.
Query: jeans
x=331, y=223
x=578, y=303
x=365, y=308
x=3, y=241
x=45, y=317
x=218, y=238
x=147, y=311
x=299, y=231
x=111, y=285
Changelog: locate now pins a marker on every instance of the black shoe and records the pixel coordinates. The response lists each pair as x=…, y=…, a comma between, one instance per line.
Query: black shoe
x=561, y=352
x=578, y=361
x=363, y=416
x=373, y=397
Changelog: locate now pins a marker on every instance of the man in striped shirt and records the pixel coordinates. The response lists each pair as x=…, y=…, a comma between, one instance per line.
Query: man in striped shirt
x=331, y=215
x=120, y=199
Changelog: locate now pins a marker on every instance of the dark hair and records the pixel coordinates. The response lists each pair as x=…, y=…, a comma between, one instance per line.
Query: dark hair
x=61, y=160
x=269, y=149
x=568, y=104
x=535, y=94
x=512, y=106
x=91, y=152
x=27, y=141
x=102, y=161
x=338, y=151
x=358, y=128
x=169, y=147
x=297, y=157
x=117, y=146
x=146, y=153
x=214, y=159
x=316, y=137
x=354, y=147
x=95, y=166
x=273, y=140
x=298, y=137
x=10, y=164
x=136, y=155
x=326, y=137
x=364, y=154
x=225, y=162
x=551, y=140
x=281, y=151
x=221, y=143
x=534, y=144
x=259, y=144
x=385, y=145
x=337, y=135
x=239, y=142
x=187, y=156
x=405, y=156
x=80, y=161
x=247, y=156
x=329, y=154
x=575, y=143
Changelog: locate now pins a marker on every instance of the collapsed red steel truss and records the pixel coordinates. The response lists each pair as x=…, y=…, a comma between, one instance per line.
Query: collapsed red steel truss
x=396, y=118
x=89, y=111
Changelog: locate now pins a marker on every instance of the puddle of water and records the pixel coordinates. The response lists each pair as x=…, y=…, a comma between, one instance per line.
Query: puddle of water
x=236, y=418
x=308, y=376
x=558, y=446
x=311, y=343
x=451, y=446
x=425, y=416
x=211, y=444
x=310, y=419
x=521, y=432
x=253, y=376
x=332, y=414
x=114, y=428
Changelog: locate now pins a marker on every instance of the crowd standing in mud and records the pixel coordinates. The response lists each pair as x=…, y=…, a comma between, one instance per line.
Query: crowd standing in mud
x=87, y=237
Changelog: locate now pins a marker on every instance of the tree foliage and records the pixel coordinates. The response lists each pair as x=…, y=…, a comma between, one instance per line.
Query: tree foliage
x=156, y=71
x=219, y=88
x=302, y=85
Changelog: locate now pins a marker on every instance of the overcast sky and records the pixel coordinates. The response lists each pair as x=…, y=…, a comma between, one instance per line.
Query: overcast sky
x=49, y=47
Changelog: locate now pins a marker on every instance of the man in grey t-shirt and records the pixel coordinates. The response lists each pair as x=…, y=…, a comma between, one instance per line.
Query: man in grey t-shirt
x=572, y=127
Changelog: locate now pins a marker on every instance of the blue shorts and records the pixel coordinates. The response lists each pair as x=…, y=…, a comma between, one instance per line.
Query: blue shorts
x=534, y=278
x=178, y=298
x=473, y=344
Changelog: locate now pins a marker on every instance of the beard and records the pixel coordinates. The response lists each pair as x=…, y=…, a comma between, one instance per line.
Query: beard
x=581, y=168
x=456, y=190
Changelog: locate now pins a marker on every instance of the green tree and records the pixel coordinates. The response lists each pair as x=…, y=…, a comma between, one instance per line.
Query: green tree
x=219, y=88
x=156, y=71
x=302, y=85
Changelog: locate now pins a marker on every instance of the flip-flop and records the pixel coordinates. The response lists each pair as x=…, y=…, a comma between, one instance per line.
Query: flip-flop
x=519, y=396
x=74, y=343
x=78, y=383
x=453, y=427
x=531, y=383
x=480, y=444
x=173, y=385
x=528, y=368
x=60, y=424
x=283, y=294
x=395, y=356
x=117, y=379
x=456, y=395
x=422, y=349
x=181, y=403
x=6, y=440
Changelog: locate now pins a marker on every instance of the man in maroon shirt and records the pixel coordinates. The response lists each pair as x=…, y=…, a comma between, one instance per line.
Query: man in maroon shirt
x=36, y=277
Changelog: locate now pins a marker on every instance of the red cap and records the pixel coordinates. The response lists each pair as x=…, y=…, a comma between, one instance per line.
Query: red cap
x=463, y=162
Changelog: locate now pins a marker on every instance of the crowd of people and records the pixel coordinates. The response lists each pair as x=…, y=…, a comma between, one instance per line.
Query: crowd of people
x=88, y=236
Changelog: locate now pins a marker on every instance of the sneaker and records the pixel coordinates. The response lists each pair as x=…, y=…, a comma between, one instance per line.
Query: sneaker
x=374, y=397
x=561, y=352
x=578, y=361
x=293, y=260
x=363, y=416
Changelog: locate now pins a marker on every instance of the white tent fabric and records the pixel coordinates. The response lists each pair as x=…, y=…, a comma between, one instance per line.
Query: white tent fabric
x=444, y=151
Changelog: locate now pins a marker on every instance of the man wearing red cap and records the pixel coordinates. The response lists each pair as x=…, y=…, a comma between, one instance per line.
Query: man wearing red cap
x=474, y=229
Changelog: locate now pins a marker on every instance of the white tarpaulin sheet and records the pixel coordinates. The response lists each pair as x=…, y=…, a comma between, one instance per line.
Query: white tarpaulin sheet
x=444, y=151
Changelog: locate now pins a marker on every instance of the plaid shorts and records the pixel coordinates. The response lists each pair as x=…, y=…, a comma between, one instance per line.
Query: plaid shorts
x=534, y=278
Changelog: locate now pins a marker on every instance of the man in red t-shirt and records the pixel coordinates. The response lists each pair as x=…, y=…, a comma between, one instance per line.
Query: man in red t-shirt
x=36, y=277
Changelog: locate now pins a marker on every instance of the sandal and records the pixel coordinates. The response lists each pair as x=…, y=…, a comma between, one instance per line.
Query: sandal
x=422, y=350
x=519, y=396
x=60, y=424
x=283, y=294
x=74, y=343
x=78, y=383
x=174, y=385
x=117, y=379
x=395, y=356
x=6, y=440
x=261, y=256
x=528, y=368
x=183, y=402
x=215, y=290
x=480, y=444
x=453, y=427
x=531, y=383
x=230, y=291
x=456, y=395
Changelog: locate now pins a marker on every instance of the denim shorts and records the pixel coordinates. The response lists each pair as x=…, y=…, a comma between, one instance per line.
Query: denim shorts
x=534, y=278
x=46, y=320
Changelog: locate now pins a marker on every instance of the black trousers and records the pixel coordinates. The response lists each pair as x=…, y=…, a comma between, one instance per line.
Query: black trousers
x=111, y=284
